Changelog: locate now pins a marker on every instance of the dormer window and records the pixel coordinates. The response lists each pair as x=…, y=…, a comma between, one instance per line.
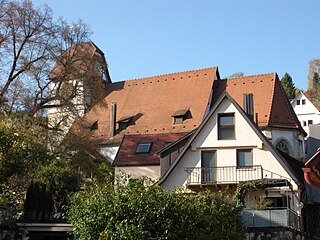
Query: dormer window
x=144, y=147
x=179, y=116
x=94, y=126
x=124, y=122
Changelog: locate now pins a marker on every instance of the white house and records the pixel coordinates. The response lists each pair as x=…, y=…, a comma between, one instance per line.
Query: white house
x=229, y=148
x=306, y=111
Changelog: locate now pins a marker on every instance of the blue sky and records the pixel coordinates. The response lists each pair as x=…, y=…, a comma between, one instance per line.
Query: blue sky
x=143, y=38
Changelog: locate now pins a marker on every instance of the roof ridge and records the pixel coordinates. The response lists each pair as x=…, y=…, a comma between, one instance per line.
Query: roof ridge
x=255, y=75
x=168, y=74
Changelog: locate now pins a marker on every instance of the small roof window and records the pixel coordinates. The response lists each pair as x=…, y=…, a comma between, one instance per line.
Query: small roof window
x=180, y=115
x=94, y=126
x=144, y=147
x=125, y=119
x=124, y=122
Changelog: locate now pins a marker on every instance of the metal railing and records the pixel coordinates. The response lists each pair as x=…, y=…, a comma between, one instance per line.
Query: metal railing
x=271, y=218
x=228, y=174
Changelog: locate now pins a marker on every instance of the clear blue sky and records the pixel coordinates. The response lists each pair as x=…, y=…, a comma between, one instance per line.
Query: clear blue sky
x=143, y=38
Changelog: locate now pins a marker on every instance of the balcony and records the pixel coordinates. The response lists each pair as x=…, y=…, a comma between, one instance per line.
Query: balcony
x=228, y=175
x=270, y=218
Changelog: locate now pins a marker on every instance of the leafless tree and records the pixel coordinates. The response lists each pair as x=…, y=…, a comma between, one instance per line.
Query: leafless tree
x=36, y=51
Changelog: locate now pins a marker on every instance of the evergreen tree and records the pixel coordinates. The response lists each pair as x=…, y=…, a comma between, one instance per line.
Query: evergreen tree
x=315, y=81
x=288, y=86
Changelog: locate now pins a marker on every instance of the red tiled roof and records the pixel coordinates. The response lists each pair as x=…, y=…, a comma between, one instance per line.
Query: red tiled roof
x=271, y=105
x=126, y=155
x=153, y=100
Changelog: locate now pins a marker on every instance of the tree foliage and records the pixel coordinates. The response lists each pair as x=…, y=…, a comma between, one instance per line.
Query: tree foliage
x=136, y=211
x=32, y=44
x=314, y=90
x=288, y=86
x=236, y=75
x=22, y=151
x=59, y=180
x=314, y=67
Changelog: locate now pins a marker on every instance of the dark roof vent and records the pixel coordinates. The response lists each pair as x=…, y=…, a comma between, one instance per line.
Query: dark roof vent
x=248, y=104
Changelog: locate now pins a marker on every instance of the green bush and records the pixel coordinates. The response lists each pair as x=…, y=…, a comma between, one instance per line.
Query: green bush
x=136, y=211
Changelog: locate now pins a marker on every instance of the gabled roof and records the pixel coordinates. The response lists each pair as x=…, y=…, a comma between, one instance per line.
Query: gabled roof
x=271, y=105
x=78, y=60
x=307, y=95
x=127, y=155
x=153, y=100
x=285, y=164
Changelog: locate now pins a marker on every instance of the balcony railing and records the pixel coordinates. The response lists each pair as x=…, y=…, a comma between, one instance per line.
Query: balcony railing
x=271, y=218
x=228, y=174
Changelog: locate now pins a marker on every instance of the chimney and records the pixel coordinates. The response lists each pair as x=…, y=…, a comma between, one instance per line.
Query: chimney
x=248, y=104
x=113, y=111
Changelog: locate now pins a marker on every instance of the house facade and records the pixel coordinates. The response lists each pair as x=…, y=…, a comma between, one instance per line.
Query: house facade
x=227, y=149
x=139, y=117
x=306, y=111
x=270, y=109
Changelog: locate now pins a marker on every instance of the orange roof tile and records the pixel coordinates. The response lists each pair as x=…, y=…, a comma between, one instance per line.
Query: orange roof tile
x=153, y=100
x=271, y=105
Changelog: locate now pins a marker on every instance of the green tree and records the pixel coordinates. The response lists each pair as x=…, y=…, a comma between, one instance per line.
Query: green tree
x=136, y=211
x=315, y=82
x=22, y=152
x=288, y=86
x=59, y=180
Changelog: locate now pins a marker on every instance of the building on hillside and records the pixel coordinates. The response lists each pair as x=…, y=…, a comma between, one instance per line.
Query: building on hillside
x=229, y=148
x=269, y=107
x=305, y=110
x=149, y=112
x=78, y=82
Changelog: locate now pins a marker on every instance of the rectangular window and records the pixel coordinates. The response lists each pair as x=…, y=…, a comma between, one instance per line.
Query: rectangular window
x=304, y=123
x=143, y=147
x=310, y=122
x=177, y=120
x=244, y=157
x=226, y=126
x=303, y=102
x=298, y=102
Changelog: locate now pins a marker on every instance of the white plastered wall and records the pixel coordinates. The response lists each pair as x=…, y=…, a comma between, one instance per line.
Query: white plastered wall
x=152, y=172
x=225, y=149
x=305, y=112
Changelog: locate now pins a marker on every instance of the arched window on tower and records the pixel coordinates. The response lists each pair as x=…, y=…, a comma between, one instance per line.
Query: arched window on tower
x=283, y=146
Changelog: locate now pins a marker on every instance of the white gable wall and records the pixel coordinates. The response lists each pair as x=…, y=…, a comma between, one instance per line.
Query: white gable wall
x=226, y=155
x=305, y=112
